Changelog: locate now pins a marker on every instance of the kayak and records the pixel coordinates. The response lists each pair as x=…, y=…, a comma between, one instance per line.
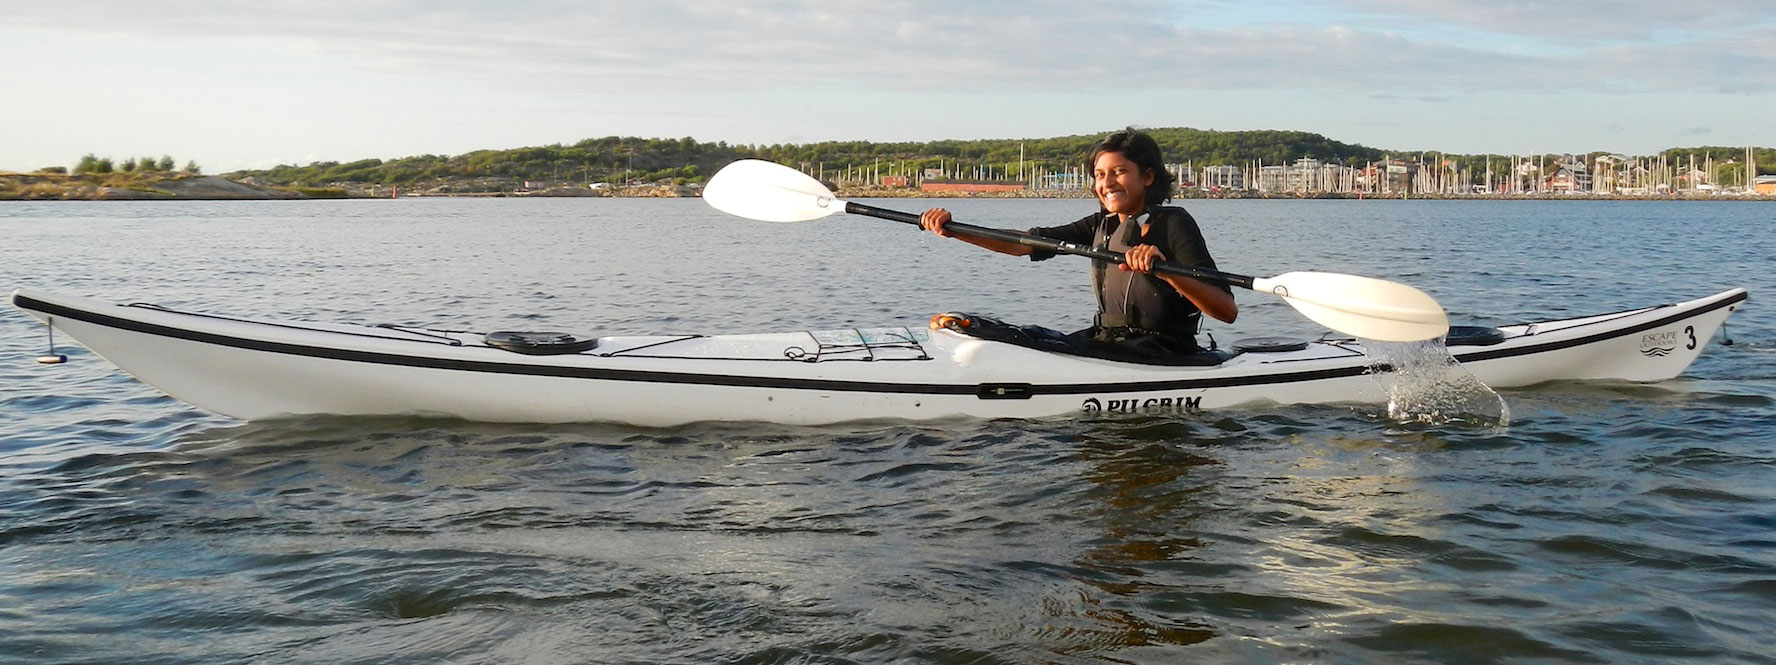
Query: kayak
x=256, y=369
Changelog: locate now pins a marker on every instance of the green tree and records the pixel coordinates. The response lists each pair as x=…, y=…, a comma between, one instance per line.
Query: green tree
x=166, y=163
x=89, y=163
x=191, y=168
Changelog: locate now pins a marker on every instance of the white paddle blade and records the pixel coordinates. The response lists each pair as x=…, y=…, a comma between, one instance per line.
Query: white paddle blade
x=769, y=192
x=1362, y=306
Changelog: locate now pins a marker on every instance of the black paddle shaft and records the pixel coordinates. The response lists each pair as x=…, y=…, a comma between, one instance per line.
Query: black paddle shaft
x=1052, y=245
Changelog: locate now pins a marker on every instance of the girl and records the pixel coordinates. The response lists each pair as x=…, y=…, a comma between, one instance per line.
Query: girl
x=1139, y=312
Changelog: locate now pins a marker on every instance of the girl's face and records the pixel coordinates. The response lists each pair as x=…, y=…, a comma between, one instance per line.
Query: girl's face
x=1120, y=184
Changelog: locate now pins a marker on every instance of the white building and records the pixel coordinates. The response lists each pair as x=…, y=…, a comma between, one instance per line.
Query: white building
x=1273, y=178
x=1223, y=177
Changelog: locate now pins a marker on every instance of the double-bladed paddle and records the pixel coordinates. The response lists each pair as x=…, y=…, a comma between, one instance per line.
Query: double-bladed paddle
x=1362, y=306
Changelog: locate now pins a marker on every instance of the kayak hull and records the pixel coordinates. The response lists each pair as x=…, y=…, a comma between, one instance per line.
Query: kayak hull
x=259, y=369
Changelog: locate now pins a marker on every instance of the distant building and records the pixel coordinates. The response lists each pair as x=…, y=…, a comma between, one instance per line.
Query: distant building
x=894, y=181
x=1301, y=176
x=1273, y=178
x=1399, y=176
x=1367, y=178
x=1692, y=179
x=1313, y=176
x=1571, y=177
x=1063, y=181
x=1764, y=184
x=969, y=186
x=1223, y=177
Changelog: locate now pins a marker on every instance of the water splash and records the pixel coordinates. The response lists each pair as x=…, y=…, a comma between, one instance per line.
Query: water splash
x=1425, y=384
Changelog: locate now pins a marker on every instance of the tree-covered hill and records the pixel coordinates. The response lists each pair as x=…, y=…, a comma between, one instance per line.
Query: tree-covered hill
x=621, y=159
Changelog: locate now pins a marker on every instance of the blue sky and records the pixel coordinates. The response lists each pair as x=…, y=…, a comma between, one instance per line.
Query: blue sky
x=251, y=85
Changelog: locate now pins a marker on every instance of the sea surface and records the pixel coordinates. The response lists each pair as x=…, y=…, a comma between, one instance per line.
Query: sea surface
x=1609, y=523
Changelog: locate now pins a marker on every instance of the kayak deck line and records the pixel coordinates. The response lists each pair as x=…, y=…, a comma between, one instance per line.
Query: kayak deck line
x=430, y=362
x=905, y=339
x=253, y=369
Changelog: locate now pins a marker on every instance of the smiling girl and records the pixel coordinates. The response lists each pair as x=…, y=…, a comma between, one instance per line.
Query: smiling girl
x=1139, y=312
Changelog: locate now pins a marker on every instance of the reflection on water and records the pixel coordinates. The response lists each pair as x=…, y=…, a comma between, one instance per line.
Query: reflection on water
x=1608, y=523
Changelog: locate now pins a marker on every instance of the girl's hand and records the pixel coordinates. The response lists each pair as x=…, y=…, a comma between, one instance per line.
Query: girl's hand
x=934, y=220
x=1141, y=258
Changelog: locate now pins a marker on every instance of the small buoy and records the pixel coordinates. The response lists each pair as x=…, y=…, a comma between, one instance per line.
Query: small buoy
x=56, y=359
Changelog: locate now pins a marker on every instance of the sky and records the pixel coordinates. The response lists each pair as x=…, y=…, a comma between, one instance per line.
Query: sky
x=234, y=85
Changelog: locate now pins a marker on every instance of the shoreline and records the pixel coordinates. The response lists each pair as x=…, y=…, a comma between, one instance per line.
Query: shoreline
x=187, y=187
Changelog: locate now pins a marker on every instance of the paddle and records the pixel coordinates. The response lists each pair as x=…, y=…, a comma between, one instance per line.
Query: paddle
x=1362, y=306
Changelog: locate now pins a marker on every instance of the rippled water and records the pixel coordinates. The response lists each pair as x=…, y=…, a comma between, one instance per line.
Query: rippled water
x=1609, y=523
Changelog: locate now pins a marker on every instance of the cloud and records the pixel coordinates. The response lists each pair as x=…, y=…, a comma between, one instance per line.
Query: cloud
x=1582, y=21
x=1696, y=131
x=1388, y=97
x=1003, y=46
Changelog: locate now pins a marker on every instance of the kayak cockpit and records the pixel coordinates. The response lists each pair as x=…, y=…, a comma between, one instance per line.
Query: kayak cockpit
x=1054, y=341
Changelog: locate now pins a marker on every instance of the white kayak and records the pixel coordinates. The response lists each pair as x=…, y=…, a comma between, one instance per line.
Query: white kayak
x=256, y=369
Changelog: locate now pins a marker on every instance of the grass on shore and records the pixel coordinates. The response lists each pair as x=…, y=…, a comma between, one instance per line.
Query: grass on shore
x=62, y=185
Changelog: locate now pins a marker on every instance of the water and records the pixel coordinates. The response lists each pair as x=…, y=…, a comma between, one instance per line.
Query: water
x=1608, y=523
x=1426, y=384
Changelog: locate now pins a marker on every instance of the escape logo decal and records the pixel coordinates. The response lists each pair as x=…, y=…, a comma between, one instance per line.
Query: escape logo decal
x=1139, y=405
x=1662, y=343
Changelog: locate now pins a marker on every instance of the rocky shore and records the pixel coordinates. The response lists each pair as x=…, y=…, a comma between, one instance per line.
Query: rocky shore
x=134, y=187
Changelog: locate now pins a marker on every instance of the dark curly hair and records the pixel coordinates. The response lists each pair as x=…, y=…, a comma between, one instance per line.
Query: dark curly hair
x=1141, y=149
